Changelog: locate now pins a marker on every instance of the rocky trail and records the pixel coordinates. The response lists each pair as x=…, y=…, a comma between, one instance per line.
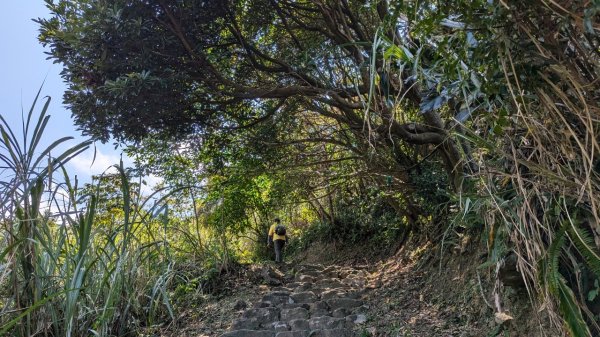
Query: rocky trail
x=389, y=298
x=311, y=301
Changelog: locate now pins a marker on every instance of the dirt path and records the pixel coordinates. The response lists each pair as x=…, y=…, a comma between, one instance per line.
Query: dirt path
x=405, y=304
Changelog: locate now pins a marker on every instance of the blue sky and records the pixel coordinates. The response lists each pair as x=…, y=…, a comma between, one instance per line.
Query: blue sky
x=23, y=69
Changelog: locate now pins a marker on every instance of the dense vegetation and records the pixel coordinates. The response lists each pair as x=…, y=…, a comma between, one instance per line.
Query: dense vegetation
x=352, y=120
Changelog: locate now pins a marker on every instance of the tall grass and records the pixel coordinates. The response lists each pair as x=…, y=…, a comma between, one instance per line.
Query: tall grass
x=68, y=274
x=539, y=185
x=534, y=182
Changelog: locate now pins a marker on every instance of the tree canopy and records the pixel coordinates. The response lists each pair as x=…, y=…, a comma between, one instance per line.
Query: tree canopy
x=371, y=71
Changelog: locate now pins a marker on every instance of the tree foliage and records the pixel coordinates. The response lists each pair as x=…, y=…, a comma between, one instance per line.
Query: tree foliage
x=370, y=70
x=327, y=97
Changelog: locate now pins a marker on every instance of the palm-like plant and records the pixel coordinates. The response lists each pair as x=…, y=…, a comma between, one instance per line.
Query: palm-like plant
x=50, y=263
x=28, y=171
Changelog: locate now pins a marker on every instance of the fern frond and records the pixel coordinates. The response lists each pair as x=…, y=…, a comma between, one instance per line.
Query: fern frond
x=567, y=303
x=570, y=311
x=585, y=245
x=552, y=274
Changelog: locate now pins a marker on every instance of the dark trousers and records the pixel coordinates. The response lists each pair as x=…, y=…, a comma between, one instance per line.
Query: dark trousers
x=279, y=250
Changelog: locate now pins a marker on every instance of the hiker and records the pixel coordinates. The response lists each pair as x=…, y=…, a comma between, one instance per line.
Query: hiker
x=278, y=238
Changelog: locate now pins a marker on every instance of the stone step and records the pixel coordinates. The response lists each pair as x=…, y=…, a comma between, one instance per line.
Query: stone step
x=335, y=293
x=305, y=278
x=328, y=322
x=318, y=333
x=319, y=308
x=303, y=297
x=313, y=302
x=312, y=273
x=331, y=283
x=304, y=267
x=303, y=287
x=294, y=313
x=347, y=303
x=299, y=324
x=262, y=315
x=333, y=333
x=249, y=333
x=276, y=297
x=245, y=324
x=281, y=288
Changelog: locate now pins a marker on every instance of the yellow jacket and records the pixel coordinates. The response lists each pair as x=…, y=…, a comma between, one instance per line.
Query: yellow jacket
x=275, y=236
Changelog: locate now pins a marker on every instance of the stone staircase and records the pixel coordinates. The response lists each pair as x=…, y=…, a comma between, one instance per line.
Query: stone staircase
x=313, y=301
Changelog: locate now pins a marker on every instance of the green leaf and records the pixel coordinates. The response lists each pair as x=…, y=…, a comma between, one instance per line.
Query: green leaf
x=592, y=294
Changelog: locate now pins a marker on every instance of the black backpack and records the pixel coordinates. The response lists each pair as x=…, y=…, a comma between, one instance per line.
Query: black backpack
x=280, y=229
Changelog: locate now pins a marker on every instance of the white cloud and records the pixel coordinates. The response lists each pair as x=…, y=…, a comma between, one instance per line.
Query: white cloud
x=151, y=182
x=85, y=165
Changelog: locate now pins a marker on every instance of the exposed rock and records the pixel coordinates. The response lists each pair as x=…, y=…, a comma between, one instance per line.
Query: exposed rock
x=299, y=324
x=249, y=333
x=276, y=298
x=333, y=293
x=341, y=312
x=295, y=313
x=313, y=273
x=509, y=274
x=279, y=289
x=303, y=286
x=263, y=315
x=348, y=303
x=280, y=326
x=333, y=333
x=297, y=333
x=303, y=297
x=318, y=305
x=263, y=304
x=295, y=305
x=357, y=318
x=327, y=322
x=245, y=323
x=305, y=278
x=329, y=283
x=272, y=276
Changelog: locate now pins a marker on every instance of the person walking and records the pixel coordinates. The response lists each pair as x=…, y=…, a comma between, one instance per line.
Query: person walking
x=278, y=238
